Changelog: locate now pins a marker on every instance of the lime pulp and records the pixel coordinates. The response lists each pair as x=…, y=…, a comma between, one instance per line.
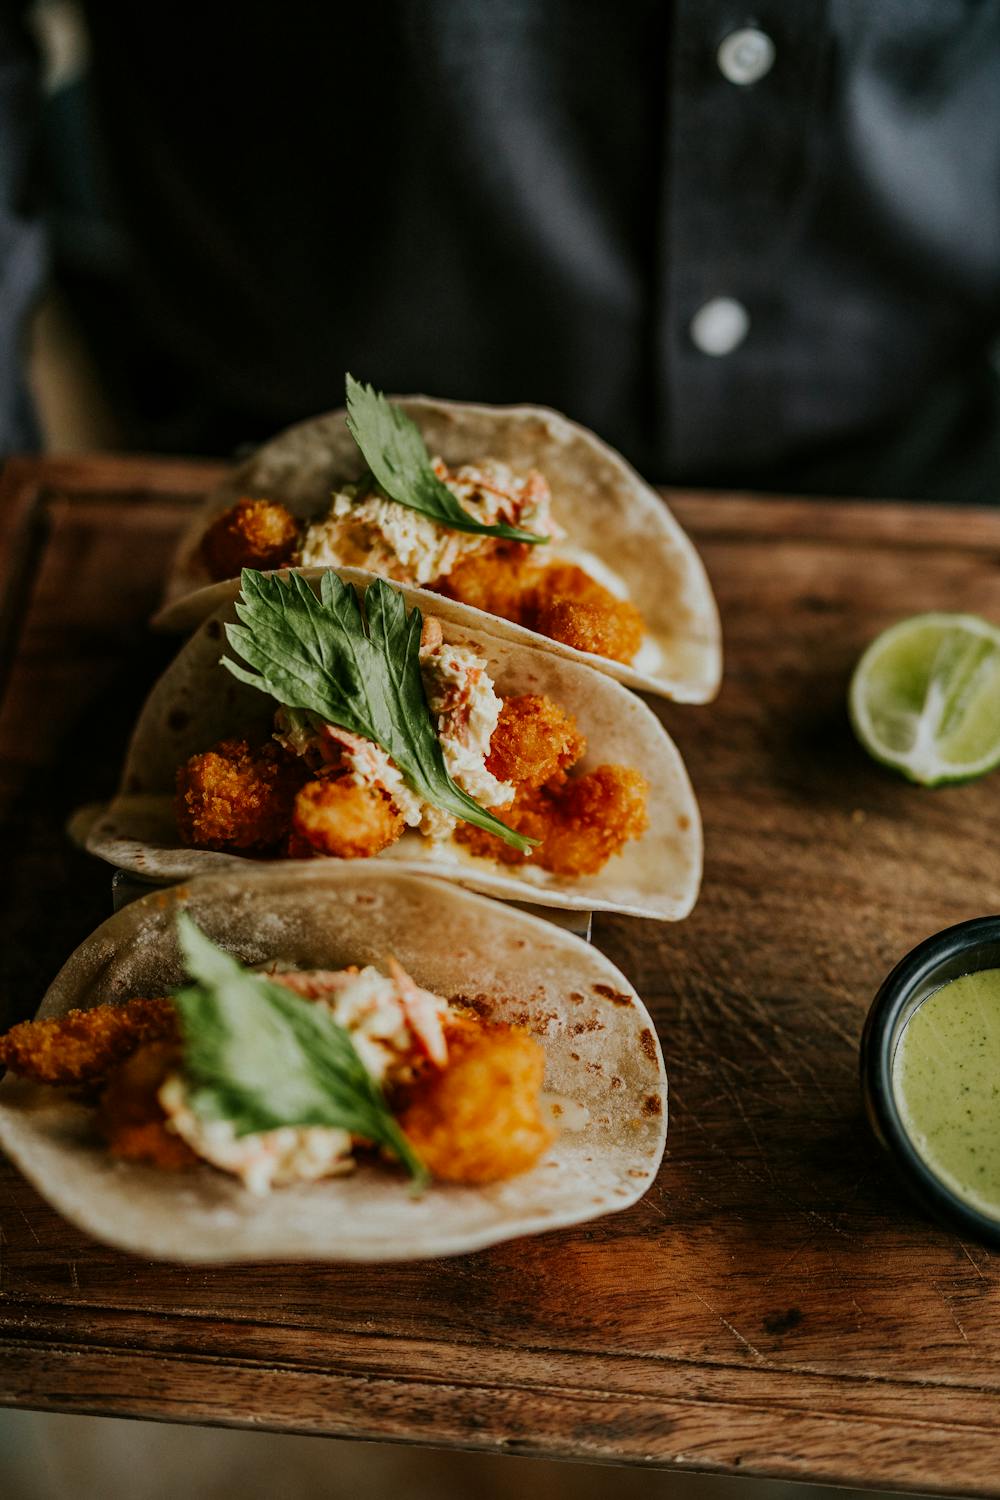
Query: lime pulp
x=925, y=698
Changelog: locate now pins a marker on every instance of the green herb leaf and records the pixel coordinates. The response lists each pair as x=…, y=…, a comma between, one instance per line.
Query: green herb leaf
x=261, y=1057
x=397, y=456
x=364, y=676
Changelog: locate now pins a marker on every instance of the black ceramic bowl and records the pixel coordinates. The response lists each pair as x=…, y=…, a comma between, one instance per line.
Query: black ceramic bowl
x=945, y=956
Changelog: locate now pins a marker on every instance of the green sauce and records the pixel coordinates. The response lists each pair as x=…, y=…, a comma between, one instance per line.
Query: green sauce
x=946, y=1079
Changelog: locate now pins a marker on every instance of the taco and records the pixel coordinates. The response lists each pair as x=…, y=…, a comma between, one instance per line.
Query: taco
x=512, y=511
x=384, y=734
x=386, y=1027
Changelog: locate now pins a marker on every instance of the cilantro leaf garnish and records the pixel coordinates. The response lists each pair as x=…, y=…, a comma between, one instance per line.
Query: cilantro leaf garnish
x=261, y=1057
x=362, y=675
x=397, y=457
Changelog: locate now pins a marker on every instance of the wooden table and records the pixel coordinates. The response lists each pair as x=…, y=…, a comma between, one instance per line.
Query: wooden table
x=774, y=1305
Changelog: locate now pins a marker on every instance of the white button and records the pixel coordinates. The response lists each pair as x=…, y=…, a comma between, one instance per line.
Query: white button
x=744, y=56
x=720, y=326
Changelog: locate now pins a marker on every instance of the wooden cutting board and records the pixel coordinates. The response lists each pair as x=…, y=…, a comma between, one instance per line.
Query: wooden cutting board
x=775, y=1305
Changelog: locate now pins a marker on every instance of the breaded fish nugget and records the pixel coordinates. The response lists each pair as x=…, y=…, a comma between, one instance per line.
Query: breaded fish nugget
x=233, y=797
x=345, y=820
x=571, y=607
x=130, y=1116
x=591, y=818
x=578, y=825
x=480, y=1118
x=499, y=579
x=251, y=534
x=527, y=814
x=561, y=601
x=83, y=1046
x=534, y=741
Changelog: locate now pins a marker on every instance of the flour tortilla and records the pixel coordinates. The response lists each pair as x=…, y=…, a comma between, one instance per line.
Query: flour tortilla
x=600, y=1045
x=603, y=505
x=197, y=702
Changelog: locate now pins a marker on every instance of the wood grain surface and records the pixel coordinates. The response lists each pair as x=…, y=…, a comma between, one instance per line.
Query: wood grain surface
x=775, y=1305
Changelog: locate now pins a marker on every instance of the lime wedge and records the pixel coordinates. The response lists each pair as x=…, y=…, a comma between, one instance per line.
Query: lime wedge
x=925, y=698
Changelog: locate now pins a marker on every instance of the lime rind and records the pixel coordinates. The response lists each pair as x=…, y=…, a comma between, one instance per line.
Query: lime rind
x=925, y=698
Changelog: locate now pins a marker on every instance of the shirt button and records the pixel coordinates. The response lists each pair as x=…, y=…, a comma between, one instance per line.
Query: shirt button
x=744, y=56
x=720, y=326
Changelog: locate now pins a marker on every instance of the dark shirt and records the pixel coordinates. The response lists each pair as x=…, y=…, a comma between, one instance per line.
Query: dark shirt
x=534, y=200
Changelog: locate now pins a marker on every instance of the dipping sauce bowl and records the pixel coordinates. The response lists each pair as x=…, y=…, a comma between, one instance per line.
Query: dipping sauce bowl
x=932, y=1094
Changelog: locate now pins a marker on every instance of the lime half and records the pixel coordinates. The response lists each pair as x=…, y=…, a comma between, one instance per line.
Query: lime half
x=925, y=698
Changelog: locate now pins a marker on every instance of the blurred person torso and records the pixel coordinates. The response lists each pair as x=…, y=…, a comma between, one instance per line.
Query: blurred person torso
x=787, y=278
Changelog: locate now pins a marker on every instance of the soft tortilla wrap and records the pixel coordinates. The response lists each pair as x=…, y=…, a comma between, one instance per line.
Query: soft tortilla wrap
x=602, y=1056
x=605, y=508
x=197, y=702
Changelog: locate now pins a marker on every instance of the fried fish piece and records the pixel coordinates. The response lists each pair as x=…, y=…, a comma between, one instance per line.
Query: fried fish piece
x=499, y=578
x=529, y=813
x=579, y=825
x=235, y=797
x=591, y=818
x=83, y=1046
x=251, y=534
x=480, y=1119
x=130, y=1116
x=561, y=600
x=570, y=606
x=340, y=818
x=534, y=741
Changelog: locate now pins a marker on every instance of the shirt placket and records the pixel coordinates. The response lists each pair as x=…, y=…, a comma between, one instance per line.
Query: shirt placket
x=744, y=93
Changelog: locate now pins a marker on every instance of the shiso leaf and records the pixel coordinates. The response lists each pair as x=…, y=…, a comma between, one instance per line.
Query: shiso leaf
x=261, y=1057
x=397, y=456
x=362, y=674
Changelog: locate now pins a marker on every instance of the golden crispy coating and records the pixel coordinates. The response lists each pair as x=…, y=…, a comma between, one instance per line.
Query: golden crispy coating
x=572, y=607
x=613, y=630
x=527, y=814
x=129, y=1114
x=591, y=818
x=233, y=797
x=499, y=578
x=251, y=534
x=560, y=601
x=479, y=1119
x=83, y=1046
x=579, y=825
x=345, y=820
x=534, y=741
x=564, y=580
